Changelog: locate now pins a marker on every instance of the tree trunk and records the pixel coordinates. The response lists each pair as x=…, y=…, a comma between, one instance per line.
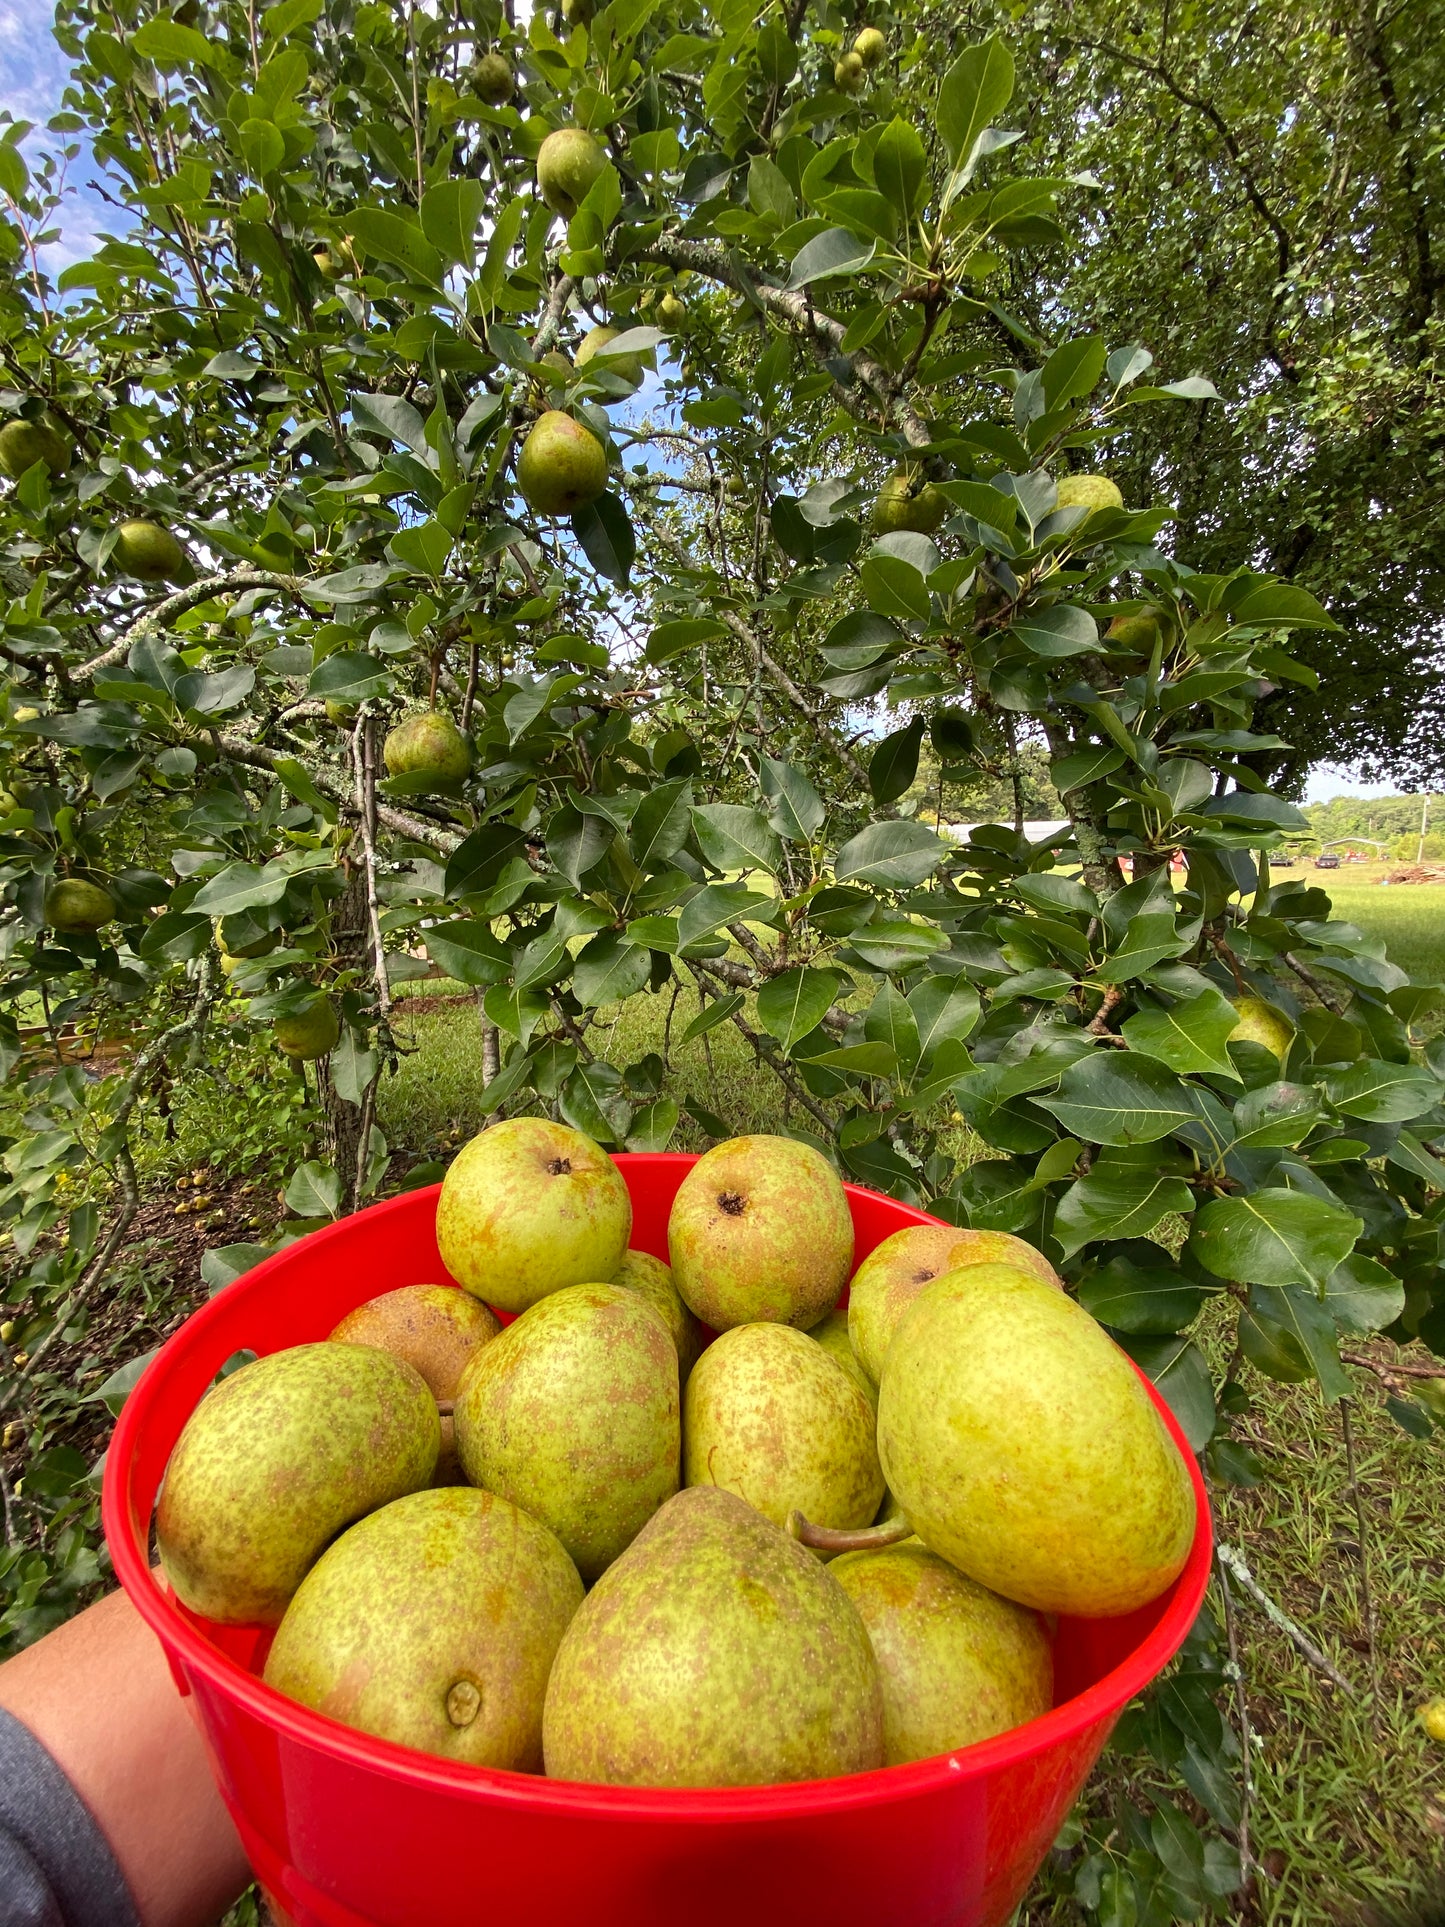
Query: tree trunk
x=341, y=1121
x=491, y=1044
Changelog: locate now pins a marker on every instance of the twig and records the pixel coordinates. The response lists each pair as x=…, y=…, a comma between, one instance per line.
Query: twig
x=1366, y=1599
x=362, y=758
x=1277, y=1616
x=164, y=612
x=1246, y=1731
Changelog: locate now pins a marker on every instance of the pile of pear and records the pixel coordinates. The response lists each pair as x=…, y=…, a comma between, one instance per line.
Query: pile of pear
x=580, y=1512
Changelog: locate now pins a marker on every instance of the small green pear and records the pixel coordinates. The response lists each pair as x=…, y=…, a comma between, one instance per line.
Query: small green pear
x=671, y=313
x=651, y=1279
x=569, y=161
x=275, y=1460
x=894, y=1272
x=427, y=744
x=433, y=1623
x=492, y=79
x=957, y=1662
x=77, y=908
x=572, y=1414
x=562, y=466
x=908, y=503
x=770, y=1415
x=24, y=443
x=597, y=341
x=1022, y=1446
x=715, y=1652
x=1262, y=1023
x=848, y=73
x=528, y=1207
x=870, y=47
x=311, y=1033
x=760, y=1230
x=149, y=552
x=1089, y=492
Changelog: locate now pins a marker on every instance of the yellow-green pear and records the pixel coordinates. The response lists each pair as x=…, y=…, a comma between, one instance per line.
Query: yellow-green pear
x=870, y=47
x=148, y=552
x=957, y=1662
x=715, y=1652
x=433, y=1623
x=275, y=1460
x=1022, y=1446
x=427, y=744
x=894, y=1272
x=311, y=1033
x=572, y=1414
x=848, y=73
x=760, y=1230
x=908, y=502
x=832, y=1334
x=76, y=907
x=24, y=443
x=1262, y=1023
x=562, y=466
x=1432, y=1718
x=529, y=1207
x=770, y=1415
x=651, y=1279
x=1089, y=492
x=569, y=161
x=671, y=312
x=493, y=81
x=597, y=341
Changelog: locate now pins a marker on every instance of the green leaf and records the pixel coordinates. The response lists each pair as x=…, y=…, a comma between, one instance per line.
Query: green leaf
x=976, y=89
x=1177, y=1368
x=794, y=1003
x=350, y=676
x=736, y=836
x=1283, y=603
x=1273, y=1117
x=115, y=1390
x=890, y=1021
x=1363, y=1296
x=890, y=855
x=1139, y=1291
x=1383, y=1093
x=451, y=213
x=653, y=1126
x=894, y=588
x=1149, y=939
x=1073, y=370
x=1083, y=766
x=1307, y=1326
x=480, y=859
x=1120, y=1099
x=669, y=639
x=169, y=44
x=943, y=1008
x=1056, y=632
x=718, y=904
x=396, y=237
x=241, y=886
x=1118, y=1202
x=894, y=764
x=859, y=1060
x=605, y=531
x=591, y=1101
x=900, y=167
x=1189, y=1036
x=468, y=952
x=660, y=827
x=1273, y=1237
x=769, y=192
x=796, y=810
x=314, y=1191
x=610, y=970
x=833, y=252
x=711, y=1015
x=518, y=1012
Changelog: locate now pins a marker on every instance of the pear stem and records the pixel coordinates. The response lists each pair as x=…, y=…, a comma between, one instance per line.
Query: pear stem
x=859, y=1539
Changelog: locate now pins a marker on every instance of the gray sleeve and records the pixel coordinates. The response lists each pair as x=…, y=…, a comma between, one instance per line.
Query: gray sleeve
x=56, y=1866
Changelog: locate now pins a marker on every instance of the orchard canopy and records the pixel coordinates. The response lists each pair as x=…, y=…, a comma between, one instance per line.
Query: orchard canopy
x=327, y=438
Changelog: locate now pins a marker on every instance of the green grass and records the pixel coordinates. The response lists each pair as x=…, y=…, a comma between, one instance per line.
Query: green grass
x=1409, y=916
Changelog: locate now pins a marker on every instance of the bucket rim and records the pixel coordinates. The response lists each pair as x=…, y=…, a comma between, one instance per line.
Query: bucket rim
x=127, y=1537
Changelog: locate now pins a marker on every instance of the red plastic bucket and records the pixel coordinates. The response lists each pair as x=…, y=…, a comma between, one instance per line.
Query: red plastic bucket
x=348, y=1831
